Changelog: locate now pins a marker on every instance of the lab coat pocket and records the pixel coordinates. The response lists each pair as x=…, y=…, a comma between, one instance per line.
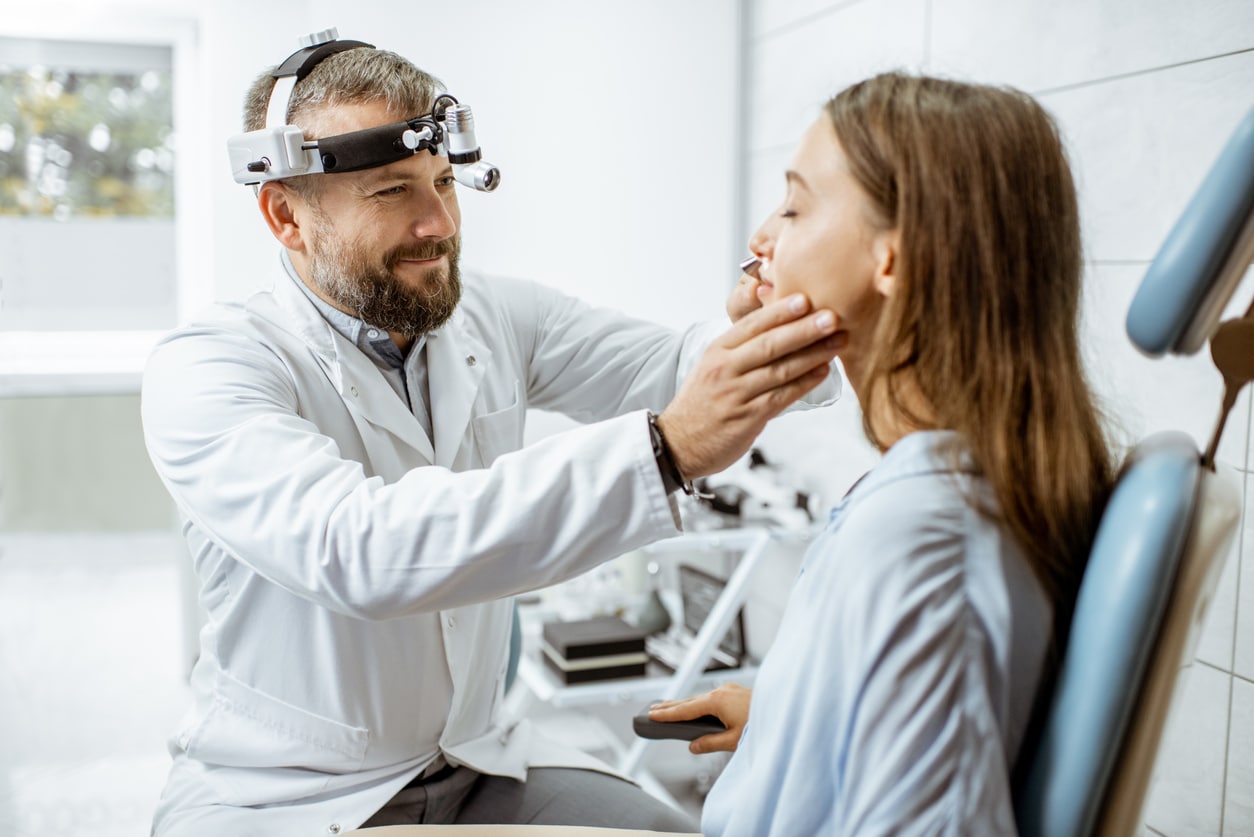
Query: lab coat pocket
x=260, y=749
x=501, y=431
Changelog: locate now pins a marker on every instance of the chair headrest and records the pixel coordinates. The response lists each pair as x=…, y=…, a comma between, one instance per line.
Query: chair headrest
x=1200, y=264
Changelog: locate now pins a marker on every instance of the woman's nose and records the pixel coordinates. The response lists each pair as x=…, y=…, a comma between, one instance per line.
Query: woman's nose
x=760, y=242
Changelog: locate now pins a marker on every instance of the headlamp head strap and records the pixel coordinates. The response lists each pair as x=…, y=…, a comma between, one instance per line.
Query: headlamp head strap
x=379, y=146
x=294, y=68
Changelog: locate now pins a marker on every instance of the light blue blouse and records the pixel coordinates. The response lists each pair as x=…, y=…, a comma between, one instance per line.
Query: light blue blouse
x=899, y=686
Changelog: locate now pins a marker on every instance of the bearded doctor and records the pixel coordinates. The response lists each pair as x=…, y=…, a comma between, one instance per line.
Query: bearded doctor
x=346, y=453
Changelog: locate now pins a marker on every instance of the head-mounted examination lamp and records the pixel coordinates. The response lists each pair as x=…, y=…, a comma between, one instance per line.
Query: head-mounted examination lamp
x=280, y=150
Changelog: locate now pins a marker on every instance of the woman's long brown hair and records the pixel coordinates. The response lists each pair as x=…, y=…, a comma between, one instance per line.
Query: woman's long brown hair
x=983, y=322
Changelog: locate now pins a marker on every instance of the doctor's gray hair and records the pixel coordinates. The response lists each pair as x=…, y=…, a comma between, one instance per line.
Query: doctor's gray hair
x=354, y=76
x=350, y=77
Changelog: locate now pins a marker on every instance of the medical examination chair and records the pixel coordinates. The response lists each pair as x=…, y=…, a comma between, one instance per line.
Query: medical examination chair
x=1156, y=559
x=1162, y=540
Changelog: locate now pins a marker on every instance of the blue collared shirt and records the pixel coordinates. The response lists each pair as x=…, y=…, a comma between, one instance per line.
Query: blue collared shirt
x=899, y=686
x=406, y=373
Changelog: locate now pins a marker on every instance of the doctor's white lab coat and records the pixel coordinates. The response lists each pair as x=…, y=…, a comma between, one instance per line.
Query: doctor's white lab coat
x=343, y=576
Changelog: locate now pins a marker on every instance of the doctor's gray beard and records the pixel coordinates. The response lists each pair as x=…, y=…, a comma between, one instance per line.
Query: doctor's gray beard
x=367, y=286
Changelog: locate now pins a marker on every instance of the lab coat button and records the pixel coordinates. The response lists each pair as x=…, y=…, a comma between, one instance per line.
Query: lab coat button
x=372, y=333
x=353, y=390
x=334, y=828
x=451, y=622
x=470, y=360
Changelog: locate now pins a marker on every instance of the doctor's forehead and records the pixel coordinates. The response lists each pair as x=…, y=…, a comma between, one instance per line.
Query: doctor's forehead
x=332, y=119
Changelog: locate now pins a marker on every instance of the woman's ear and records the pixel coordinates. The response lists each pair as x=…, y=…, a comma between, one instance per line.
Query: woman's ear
x=281, y=213
x=886, y=247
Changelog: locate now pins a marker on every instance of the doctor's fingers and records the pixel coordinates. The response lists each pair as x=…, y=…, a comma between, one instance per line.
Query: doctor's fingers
x=782, y=341
x=763, y=318
x=744, y=298
x=788, y=378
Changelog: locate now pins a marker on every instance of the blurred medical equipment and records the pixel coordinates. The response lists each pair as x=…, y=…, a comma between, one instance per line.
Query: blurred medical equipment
x=1161, y=543
x=651, y=616
x=280, y=150
x=699, y=592
x=755, y=492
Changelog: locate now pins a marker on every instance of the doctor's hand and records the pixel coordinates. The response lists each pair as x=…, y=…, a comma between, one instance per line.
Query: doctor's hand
x=744, y=297
x=729, y=703
x=767, y=360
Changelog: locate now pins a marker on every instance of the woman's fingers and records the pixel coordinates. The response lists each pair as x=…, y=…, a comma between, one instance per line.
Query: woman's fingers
x=683, y=709
x=719, y=741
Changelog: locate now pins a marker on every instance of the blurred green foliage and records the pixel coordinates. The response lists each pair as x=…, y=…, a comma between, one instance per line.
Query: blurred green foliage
x=75, y=144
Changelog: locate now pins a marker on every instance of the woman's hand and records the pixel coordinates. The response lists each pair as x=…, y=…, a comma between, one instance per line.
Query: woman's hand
x=729, y=703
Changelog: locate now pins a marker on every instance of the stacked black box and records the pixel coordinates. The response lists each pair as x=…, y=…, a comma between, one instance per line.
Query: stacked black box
x=594, y=649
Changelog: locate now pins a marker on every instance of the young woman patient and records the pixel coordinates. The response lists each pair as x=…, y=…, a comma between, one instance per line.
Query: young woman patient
x=939, y=221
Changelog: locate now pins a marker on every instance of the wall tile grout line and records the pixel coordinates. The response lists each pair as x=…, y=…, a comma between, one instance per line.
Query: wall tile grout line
x=1223, y=776
x=1240, y=556
x=1080, y=85
x=1248, y=423
x=1222, y=670
x=1236, y=620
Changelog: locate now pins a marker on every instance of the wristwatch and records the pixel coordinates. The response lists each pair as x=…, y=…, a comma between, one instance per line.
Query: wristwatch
x=672, y=479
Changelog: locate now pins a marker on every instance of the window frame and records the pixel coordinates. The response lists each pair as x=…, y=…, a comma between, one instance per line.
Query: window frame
x=50, y=363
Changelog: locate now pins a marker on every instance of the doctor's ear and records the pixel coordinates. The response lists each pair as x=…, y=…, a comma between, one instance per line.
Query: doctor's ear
x=282, y=210
x=885, y=249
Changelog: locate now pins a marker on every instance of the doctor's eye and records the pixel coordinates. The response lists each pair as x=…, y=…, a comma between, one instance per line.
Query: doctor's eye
x=391, y=191
x=787, y=213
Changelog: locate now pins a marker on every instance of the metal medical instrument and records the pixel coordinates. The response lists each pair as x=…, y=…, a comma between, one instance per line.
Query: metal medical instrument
x=280, y=150
x=750, y=266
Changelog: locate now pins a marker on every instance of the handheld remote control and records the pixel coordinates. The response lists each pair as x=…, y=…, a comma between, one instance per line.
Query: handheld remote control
x=681, y=730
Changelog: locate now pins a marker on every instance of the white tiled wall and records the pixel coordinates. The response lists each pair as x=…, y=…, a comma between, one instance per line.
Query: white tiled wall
x=1146, y=92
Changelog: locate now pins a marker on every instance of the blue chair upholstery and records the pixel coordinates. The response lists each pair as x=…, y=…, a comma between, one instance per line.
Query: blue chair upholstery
x=1131, y=569
x=1203, y=258
x=1158, y=551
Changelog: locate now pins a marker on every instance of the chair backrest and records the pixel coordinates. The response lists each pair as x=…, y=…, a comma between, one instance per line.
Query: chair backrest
x=1131, y=617
x=1159, y=548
